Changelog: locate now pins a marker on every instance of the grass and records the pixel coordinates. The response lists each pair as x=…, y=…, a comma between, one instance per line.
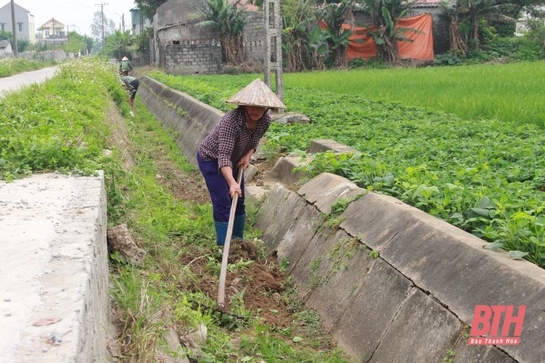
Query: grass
x=11, y=66
x=507, y=92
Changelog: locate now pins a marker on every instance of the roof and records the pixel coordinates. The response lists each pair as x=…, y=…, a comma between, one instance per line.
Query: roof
x=17, y=5
x=51, y=21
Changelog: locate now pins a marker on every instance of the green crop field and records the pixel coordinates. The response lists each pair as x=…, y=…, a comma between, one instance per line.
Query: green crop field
x=485, y=175
x=508, y=92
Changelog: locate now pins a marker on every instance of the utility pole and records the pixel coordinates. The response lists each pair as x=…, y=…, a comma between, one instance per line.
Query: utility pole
x=102, y=17
x=273, y=45
x=14, y=28
x=54, y=34
x=123, y=23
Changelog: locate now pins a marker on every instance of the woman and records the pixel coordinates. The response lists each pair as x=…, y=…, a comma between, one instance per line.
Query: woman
x=229, y=148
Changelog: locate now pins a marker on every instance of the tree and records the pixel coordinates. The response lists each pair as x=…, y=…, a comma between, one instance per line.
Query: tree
x=228, y=19
x=142, y=41
x=118, y=44
x=75, y=44
x=149, y=7
x=101, y=26
x=297, y=17
x=473, y=11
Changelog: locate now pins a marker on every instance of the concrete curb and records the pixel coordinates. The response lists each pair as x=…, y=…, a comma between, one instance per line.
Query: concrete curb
x=54, y=268
x=415, y=301
x=191, y=119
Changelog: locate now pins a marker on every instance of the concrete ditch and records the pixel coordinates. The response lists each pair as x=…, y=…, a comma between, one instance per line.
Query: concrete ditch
x=392, y=284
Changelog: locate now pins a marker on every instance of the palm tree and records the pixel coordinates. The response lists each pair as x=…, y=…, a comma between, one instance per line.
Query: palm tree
x=228, y=19
x=118, y=44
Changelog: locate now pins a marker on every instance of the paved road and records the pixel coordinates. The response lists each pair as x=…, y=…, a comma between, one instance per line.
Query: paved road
x=16, y=82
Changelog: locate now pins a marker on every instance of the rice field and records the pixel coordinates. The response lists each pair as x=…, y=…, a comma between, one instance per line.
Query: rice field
x=507, y=92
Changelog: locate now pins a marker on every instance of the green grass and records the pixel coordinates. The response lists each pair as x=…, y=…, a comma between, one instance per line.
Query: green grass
x=11, y=66
x=507, y=92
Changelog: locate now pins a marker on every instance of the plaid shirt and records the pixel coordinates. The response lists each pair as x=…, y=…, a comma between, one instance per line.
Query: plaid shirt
x=231, y=138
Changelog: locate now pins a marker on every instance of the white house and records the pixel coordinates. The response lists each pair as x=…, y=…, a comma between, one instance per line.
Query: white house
x=25, y=27
x=53, y=32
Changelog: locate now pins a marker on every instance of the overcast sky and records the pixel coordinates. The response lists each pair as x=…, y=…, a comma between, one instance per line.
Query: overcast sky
x=76, y=14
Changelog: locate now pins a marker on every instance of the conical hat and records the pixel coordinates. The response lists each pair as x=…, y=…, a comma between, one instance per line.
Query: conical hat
x=257, y=93
x=125, y=58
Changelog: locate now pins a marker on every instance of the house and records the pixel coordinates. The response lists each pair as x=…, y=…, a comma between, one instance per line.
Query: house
x=25, y=27
x=53, y=33
x=5, y=48
x=139, y=21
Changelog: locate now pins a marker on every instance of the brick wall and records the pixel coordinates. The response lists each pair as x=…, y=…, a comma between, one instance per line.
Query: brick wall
x=254, y=32
x=200, y=57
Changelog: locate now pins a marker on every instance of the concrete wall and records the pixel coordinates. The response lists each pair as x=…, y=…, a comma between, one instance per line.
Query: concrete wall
x=191, y=119
x=254, y=31
x=391, y=283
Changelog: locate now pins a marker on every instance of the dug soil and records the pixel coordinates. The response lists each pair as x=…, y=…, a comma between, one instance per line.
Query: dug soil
x=260, y=280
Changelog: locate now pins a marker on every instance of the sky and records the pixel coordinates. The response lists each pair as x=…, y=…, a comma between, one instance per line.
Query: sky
x=77, y=14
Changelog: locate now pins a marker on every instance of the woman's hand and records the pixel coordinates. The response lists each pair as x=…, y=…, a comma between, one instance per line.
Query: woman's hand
x=234, y=188
x=244, y=161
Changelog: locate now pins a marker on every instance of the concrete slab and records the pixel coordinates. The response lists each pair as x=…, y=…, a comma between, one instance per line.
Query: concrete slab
x=376, y=219
x=375, y=303
x=422, y=331
x=329, y=273
x=283, y=171
x=284, y=208
x=321, y=145
x=191, y=119
x=54, y=301
x=296, y=240
x=326, y=189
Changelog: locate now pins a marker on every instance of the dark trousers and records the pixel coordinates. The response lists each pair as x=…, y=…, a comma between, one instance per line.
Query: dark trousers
x=219, y=190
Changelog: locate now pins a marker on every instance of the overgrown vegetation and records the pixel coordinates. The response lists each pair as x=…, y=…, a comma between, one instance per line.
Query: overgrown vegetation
x=485, y=176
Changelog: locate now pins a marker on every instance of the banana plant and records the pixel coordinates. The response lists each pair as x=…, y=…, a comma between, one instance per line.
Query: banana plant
x=385, y=29
x=229, y=20
x=333, y=17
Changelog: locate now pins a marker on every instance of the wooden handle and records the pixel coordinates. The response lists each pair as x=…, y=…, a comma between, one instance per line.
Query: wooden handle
x=227, y=245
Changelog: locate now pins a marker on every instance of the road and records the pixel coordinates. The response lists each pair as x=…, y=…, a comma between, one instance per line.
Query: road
x=18, y=81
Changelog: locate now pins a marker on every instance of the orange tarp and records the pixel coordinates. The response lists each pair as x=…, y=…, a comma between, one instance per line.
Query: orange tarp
x=362, y=46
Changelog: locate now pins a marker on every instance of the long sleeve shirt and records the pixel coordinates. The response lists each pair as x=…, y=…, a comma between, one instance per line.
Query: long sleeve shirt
x=231, y=138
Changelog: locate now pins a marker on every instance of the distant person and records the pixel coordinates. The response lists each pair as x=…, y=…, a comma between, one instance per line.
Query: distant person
x=229, y=147
x=131, y=85
x=125, y=66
